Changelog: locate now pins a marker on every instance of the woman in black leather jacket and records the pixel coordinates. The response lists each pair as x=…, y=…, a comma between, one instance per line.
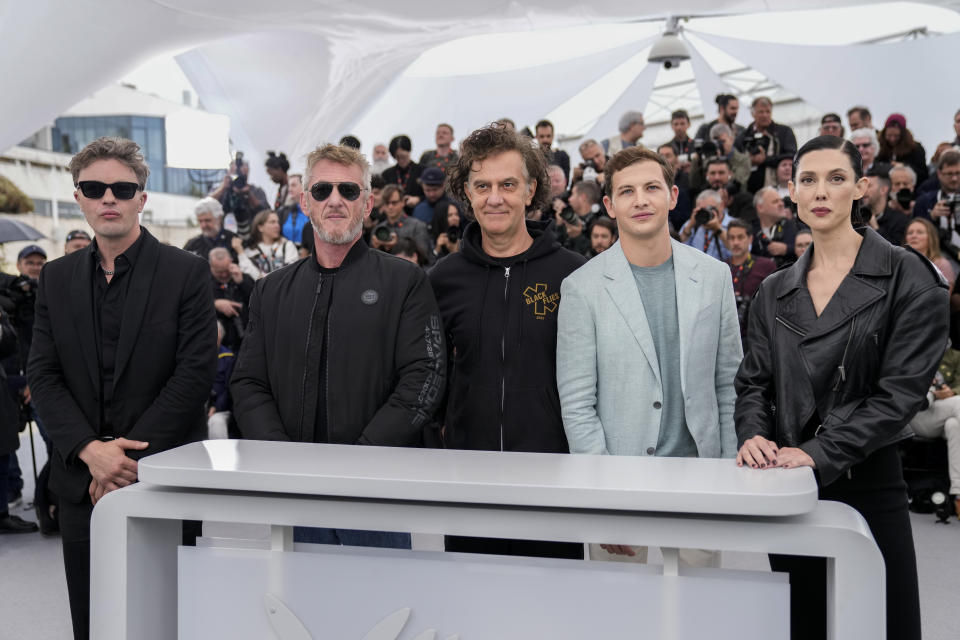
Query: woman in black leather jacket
x=843, y=345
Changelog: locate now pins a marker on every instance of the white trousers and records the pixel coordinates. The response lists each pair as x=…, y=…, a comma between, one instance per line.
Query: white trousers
x=942, y=420
x=217, y=425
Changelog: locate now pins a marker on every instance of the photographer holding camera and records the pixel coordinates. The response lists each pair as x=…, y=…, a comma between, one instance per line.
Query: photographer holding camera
x=231, y=295
x=773, y=231
x=942, y=207
x=719, y=144
x=448, y=238
x=238, y=197
x=398, y=224
x=763, y=140
x=18, y=294
x=890, y=224
x=594, y=162
x=941, y=204
x=573, y=218
x=903, y=195
x=706, y=229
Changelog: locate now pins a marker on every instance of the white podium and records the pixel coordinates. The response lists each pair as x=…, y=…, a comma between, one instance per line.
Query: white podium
x=667, y=502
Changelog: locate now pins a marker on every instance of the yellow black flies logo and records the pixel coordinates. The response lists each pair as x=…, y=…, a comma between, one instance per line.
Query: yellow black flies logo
x=543, y=302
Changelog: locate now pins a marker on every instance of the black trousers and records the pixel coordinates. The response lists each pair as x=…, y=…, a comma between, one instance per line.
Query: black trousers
x=876, y=489
x=75, y=534
x=504, y=547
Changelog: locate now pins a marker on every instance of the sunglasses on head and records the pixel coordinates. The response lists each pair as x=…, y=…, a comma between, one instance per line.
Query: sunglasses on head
x=322, y=190
x=121, y=190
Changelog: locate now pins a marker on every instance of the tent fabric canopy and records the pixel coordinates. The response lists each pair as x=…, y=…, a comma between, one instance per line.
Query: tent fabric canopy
x=292, y=73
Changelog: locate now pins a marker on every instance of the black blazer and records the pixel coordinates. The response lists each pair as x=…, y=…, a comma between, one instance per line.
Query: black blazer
x=165, y=364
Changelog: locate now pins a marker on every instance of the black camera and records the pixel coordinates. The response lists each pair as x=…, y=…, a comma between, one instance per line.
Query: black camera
x=703, y=216
x=743, y=309
x=235, y=201
x=22, y=292
x=951, y=201
x=382, y=233
x=732, y=187
x=453, y=234
x=241, y=180
x=570, y=216
x=759, y=142
x=904, y=198
x=706, y=148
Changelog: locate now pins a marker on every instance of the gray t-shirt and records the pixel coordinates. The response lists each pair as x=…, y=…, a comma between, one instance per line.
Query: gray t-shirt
x=658, y=291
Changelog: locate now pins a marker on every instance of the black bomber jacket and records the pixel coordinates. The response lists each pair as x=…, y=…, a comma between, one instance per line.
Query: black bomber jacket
x=846, y=383
x=386, y=359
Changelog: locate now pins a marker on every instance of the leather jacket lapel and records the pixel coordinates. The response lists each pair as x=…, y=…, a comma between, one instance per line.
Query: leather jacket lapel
x=81, y=298
x=852, y=296
x=138, y=292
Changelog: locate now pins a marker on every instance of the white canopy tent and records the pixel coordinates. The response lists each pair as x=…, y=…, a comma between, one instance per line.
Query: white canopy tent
x=293, y=73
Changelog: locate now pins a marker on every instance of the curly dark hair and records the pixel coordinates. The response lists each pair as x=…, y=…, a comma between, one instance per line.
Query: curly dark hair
x=495, y=139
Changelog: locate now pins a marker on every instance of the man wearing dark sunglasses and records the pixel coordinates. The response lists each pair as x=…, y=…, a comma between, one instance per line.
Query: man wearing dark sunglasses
x=361, y=359
x=124, y=351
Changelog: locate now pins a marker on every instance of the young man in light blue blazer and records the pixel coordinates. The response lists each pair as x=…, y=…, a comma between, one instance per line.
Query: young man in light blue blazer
x=648, y=338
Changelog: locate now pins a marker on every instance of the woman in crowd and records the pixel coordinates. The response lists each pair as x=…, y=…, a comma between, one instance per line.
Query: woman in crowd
x=922, y=236
x=448, y=239
x=897, y=145
x=277, y=167
x=844, y=344
x=267, y=250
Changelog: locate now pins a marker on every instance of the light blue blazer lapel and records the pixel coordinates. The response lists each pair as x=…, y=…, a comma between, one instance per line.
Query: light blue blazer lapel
x=622, y=288
x=689, y=302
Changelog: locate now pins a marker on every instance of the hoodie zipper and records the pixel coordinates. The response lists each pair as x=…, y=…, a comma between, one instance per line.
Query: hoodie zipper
x=503, y=351
x=306, y=356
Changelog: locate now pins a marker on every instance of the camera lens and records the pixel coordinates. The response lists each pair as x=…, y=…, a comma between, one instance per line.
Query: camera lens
x=569, y=215
x=382, y=234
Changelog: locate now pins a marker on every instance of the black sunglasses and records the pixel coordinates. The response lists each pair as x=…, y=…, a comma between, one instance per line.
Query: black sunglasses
x=121, y=190
x=322, y=190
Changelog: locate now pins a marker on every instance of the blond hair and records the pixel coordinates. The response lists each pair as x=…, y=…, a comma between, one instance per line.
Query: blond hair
x=338, y=154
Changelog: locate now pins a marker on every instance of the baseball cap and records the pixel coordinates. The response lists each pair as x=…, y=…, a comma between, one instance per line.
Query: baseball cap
x=432, y=176
x=31, y=249
x=77, y=233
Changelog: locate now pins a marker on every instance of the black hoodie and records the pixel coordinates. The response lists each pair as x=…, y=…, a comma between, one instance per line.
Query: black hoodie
x=500, y=319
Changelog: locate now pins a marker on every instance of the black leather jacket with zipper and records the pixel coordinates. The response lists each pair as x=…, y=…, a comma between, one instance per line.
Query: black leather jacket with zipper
x=846, y=383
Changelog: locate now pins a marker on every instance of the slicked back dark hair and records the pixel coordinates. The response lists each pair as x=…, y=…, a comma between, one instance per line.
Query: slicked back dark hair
x=821, y=143
x=492, y=140
x=833, y=143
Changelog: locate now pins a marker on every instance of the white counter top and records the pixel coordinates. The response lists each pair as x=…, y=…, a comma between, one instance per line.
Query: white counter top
x=629, y=483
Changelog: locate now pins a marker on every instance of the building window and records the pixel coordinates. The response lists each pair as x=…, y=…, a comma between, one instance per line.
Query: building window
x=71, y=134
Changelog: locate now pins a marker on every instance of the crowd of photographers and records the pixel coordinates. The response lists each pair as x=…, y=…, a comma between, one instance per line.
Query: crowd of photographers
x=733, y=205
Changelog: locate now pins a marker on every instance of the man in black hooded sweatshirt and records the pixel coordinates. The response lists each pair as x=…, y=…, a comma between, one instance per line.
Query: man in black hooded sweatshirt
x=498, y=299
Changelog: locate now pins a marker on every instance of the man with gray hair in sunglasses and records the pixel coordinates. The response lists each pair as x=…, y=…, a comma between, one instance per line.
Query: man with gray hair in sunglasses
x=344, y=346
